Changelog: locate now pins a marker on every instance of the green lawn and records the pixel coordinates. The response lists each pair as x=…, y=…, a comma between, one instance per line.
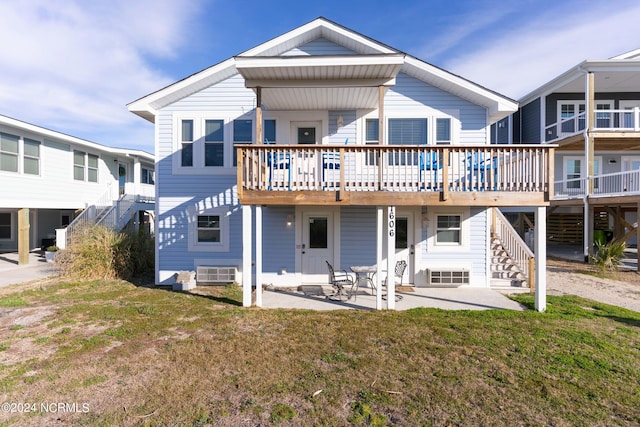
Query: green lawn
x=141, y=356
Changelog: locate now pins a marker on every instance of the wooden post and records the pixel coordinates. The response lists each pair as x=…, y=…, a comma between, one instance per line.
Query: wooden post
x=532, y=274
x=342, y=168
x=23, y=236
x=445, y=174
x=259, y=130
x=549, y=173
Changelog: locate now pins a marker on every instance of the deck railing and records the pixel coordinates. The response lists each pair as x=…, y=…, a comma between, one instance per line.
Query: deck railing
x=610, y=184
x=622, y=120
x=396, y=168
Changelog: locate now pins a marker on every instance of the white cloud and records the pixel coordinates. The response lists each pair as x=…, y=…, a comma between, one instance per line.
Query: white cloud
x=73, y=65
x=522, y=59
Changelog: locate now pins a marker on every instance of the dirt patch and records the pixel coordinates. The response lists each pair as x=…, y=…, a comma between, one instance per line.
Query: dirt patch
x=621, y=288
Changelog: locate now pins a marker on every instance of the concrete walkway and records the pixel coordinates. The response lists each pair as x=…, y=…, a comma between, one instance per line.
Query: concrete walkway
x=12, y=273
x=314, y=298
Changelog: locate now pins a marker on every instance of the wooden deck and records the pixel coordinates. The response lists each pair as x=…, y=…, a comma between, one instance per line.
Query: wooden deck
x=483, y=175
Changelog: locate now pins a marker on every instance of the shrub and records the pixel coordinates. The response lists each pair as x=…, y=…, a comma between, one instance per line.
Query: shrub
x=53, y=248
x=609, y=256
x=101, y=253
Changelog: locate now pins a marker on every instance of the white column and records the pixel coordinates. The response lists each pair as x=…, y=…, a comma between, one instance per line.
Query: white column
x=259, y=255
x=586, y=236
x=540, y=250
x=246, y=255
x=391, y=257
x=379, y=235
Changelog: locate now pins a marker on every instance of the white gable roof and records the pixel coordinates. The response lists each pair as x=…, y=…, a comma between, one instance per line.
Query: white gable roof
x=21, y=126
x=375, y=64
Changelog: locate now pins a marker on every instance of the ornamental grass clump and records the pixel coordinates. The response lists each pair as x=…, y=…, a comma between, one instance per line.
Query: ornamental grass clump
x=101, y=253
x=608, y=257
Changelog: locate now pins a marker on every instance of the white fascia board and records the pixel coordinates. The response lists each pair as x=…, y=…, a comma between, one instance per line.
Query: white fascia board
x=578, y=71
x=319, y=27
x=59, y=136
x=243, y=62
x=151, y=103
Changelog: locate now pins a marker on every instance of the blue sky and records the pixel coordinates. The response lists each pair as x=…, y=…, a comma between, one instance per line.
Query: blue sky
x=73, y=65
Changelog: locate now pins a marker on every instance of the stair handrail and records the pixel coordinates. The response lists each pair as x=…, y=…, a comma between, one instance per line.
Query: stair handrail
x=119, y=211
x=88, y=215
x=522, y=256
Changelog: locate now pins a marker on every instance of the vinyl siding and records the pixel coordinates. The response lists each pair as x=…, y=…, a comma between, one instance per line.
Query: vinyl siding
x=278, y=241
x=358, y=236
x=411, y=93
x=320, y=46
x=530, y=123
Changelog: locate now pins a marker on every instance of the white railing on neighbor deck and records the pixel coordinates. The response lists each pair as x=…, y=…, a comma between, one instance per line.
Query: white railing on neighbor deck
x=88, y=216
x=610, y=184
x=119, y=214
x=394, y=168
x=622, y=120
x=515, y=247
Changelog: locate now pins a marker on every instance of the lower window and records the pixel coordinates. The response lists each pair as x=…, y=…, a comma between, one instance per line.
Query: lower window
x=449, y=229
x=209, y=230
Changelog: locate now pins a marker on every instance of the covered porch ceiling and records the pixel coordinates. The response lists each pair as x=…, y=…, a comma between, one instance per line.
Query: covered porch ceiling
x=614, y=141
x=320, y=83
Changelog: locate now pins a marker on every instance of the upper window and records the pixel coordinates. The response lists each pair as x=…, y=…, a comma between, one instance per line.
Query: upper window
x=85, y=166
x=407, y=131
x=371, y=131
x=186, y=139
x=9, y=152
x=31, y=160
x=5, y=226
x=571, y=116
x=147, y=176
x=269, y=130
x=443, y=130
x=214, y=143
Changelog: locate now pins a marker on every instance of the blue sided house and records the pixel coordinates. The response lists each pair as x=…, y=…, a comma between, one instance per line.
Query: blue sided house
x=324, y=146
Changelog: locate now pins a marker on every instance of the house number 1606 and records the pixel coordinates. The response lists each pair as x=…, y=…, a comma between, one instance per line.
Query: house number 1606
x=392, y=222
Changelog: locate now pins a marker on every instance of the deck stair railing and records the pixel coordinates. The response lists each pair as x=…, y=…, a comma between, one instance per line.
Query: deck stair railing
x=516, y=248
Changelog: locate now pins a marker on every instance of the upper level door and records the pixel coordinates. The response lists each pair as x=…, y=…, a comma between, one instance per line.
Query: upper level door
x=122, y=177
x=306, y=163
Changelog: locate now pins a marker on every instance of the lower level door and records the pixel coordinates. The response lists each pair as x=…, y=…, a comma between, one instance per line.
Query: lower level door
x=317, y=245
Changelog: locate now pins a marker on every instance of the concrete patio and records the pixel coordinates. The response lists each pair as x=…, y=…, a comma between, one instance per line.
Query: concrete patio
x=315, y=298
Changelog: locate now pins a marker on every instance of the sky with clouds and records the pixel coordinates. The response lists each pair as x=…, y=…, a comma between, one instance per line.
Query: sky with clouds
x=74, y=65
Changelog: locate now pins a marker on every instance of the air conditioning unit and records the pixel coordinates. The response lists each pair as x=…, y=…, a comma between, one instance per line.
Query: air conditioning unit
x=448, y=277
x=208, y=275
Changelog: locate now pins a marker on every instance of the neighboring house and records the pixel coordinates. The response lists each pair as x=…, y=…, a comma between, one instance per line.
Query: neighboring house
x=274, y=161
x=592, y=113
x=48, y=178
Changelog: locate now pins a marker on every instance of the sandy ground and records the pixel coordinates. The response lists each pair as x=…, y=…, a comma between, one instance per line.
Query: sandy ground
x=619, y=288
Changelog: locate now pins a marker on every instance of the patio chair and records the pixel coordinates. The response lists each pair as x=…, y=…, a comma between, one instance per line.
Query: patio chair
x=481, y=169
x=398, y=273
x=429, y=162
x=340, y=282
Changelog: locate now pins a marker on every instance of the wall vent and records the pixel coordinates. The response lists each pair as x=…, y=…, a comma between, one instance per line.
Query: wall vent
x=207, y=275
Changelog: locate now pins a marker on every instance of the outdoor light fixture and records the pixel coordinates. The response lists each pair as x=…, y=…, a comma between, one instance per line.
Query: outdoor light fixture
x=612, y=161
x=289, y=222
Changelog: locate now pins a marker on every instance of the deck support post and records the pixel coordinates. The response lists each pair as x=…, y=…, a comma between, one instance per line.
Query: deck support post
x=23, y=236
x=246, y=255
x=259, y=129
x=586, y=234
x=258, y=256
x=391, y=257
x=540, y=250
x=379, y=242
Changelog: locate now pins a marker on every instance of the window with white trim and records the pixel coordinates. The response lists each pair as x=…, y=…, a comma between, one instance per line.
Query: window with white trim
x=574, y=170
x=449, y=230
x=186, y=143
x=571, y=116
x=9, y=152
x=147, y=176
x=209, y=230
x=443, y=130
x=6, y=226
x=85, y=166
x=31, y=157
x=214, y=143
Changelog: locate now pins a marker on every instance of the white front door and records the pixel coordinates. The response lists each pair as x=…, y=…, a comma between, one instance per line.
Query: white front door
x=306, y=163
x=405, y=243
x=317, y=245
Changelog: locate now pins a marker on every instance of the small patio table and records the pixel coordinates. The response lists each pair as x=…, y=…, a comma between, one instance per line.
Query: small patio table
x=364, y=275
